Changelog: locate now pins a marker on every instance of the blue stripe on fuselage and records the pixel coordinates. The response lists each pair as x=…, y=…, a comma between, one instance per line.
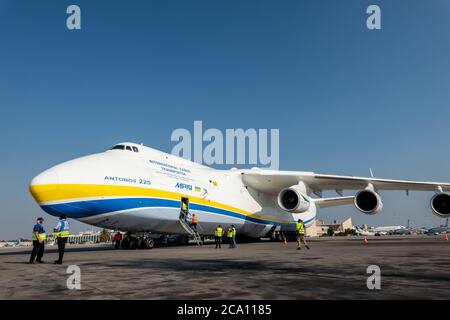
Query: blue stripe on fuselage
x=82, y=209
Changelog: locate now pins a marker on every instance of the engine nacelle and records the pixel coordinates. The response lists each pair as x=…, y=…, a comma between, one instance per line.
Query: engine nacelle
x=293, y=199
x=440, y=204
x=368, y=202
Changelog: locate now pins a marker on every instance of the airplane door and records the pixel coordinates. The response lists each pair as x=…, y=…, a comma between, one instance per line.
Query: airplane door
x=184, y=210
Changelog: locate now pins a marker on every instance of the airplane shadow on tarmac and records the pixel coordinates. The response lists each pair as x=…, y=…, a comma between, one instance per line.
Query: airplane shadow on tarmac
x=55, y=250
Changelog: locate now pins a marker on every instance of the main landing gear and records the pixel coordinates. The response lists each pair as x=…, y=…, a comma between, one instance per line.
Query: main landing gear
x=137, y=241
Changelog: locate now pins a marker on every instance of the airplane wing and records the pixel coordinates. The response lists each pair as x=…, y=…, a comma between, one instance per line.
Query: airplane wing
x=332, y=202
x=272, y=182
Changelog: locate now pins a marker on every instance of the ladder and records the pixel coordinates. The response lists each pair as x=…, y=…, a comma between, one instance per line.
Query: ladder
x=191, y=231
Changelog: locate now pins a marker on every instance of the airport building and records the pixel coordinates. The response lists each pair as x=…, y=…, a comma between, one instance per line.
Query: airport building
x=320, y=228
x=83, y=237
x=86, y=237
x=78, y=238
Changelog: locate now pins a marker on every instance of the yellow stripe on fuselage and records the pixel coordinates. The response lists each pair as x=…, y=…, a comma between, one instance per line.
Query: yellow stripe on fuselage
x=66, y=192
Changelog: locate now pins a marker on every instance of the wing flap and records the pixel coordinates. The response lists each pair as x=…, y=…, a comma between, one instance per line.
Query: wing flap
x=333, y=202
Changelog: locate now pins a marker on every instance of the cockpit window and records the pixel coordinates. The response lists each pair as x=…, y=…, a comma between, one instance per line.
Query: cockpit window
x=125, y=147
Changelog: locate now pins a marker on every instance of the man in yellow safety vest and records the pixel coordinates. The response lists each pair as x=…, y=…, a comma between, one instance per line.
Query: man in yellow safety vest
x=230, y=236
x=38, y=236
x=218, y=236
x=61, y=234
x=301, y=232
x=234, y=235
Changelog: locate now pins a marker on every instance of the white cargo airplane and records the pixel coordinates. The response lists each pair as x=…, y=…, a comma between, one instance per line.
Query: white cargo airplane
x=135, y=188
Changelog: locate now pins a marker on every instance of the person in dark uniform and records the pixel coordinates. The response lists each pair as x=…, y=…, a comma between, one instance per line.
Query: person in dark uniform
x=38, y=236
x=61, y=234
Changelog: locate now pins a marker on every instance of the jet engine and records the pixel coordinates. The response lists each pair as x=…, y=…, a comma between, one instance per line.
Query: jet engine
x=440, y=204
x=293, y=199
x=368, y=202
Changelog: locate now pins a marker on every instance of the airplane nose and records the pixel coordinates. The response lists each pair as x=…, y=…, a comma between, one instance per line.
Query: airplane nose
x=44, y=185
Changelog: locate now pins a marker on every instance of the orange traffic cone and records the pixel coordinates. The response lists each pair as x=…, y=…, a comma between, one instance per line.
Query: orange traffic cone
x=365, y=241
x=446, y=237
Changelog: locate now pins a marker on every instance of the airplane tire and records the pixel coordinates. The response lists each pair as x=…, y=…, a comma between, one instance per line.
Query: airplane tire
x=148, y=243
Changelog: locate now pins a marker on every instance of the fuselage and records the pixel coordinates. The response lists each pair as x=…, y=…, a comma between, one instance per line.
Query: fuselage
x=135, y=188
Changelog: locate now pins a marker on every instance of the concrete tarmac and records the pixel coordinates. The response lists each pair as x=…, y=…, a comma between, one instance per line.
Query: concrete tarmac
x=411, y=268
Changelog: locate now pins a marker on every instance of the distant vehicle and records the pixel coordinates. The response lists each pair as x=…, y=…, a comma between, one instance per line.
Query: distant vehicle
x=422, y=230
x=403, y=231
x=439, y=230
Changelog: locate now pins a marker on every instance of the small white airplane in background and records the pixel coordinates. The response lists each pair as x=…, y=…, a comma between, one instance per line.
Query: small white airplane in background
x=9, y=244
x=364, y=232
x=135, y=188
x=388, y=229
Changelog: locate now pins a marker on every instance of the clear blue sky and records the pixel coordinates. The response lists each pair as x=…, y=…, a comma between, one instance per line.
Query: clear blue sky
x=344, y=98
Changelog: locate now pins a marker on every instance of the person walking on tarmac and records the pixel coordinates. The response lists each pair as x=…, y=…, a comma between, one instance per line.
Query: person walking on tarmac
x=61, y=234
x=300, y=227
x=218, y=236
x=38, y=236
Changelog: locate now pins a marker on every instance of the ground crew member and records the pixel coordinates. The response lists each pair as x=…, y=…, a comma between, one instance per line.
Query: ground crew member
x=184, y=212
x=194, y=222
x=300, y=227
x=234, y=235
x=38, y=236
x=230, y=236
x=61, y=234
x=117, y=239
x=218, y=236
